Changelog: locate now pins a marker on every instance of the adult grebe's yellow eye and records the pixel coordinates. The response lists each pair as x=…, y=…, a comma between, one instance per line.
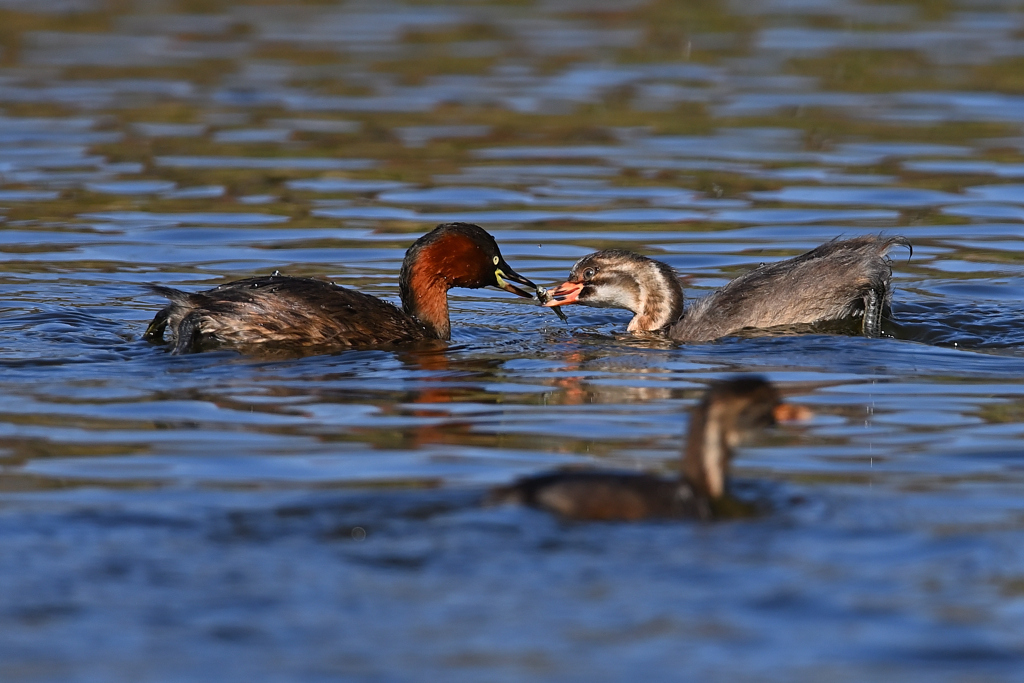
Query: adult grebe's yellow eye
x=496, y=259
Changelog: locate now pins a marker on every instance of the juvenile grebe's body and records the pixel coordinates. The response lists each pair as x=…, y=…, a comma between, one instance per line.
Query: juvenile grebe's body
x=304, y=314
x=840, y=279
x=729, y=414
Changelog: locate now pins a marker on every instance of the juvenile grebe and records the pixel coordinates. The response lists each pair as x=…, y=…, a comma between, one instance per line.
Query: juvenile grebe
x=278, y=312
x=730, y=413
x=838, y=280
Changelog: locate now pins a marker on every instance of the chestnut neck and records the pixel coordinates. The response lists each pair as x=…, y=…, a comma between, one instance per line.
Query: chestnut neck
x=424, y=293
x=706, y=458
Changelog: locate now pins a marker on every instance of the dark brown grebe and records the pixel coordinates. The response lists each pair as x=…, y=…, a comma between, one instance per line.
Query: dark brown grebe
x=303, y=314
x=840, y=279
x=730, y=413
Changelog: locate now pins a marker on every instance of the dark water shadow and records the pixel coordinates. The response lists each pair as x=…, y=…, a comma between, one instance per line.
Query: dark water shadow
x=975, y=326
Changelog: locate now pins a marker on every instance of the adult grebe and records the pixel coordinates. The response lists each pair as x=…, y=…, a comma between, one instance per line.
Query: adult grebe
x=838, y=280
x=730, y=413
x=307, y=315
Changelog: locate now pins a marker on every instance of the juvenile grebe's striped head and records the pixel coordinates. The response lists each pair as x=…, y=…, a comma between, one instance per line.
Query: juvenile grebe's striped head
x=615, y=278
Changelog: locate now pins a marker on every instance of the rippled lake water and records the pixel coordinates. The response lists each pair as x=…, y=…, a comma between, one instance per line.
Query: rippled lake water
x=217, y=517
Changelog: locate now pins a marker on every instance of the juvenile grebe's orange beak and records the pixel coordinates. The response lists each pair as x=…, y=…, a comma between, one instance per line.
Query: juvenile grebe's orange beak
x=565, y=293
x=791, y=412
x=504, y=276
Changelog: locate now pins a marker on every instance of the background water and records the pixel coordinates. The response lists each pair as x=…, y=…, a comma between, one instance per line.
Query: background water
x=215, y=517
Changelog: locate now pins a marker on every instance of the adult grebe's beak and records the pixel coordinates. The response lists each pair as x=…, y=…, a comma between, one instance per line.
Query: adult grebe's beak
x=504, y=276
x=791, y=412
x=565, y=293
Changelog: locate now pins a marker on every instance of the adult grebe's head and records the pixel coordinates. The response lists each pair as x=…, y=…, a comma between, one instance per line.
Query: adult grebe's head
x=461, y=255
x=731, y=413
x=452, y=255
x=615, y=278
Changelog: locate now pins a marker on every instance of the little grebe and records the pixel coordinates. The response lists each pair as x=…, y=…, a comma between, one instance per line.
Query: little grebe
x=305, y=314
x=840, y=279
x=731, y=412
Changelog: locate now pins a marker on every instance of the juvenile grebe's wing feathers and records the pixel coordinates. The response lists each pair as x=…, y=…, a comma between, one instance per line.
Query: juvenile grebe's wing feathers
x=281, y=312
x=837, y=280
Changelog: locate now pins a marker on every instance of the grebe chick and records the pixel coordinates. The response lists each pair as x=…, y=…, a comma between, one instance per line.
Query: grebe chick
x=308, y=315
x=730, y=413
x=841, y=279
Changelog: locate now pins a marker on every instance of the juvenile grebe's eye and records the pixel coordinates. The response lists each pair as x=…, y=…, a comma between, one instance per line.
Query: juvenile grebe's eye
x=496, y=259
x=589, y=273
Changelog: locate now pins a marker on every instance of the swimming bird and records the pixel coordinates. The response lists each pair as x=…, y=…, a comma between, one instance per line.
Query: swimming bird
x=729, y=414
x=313, y=316
x=838, y=280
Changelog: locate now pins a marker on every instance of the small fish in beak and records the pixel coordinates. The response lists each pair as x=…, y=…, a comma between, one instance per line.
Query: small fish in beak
x=565, y=293
x=546, y=299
